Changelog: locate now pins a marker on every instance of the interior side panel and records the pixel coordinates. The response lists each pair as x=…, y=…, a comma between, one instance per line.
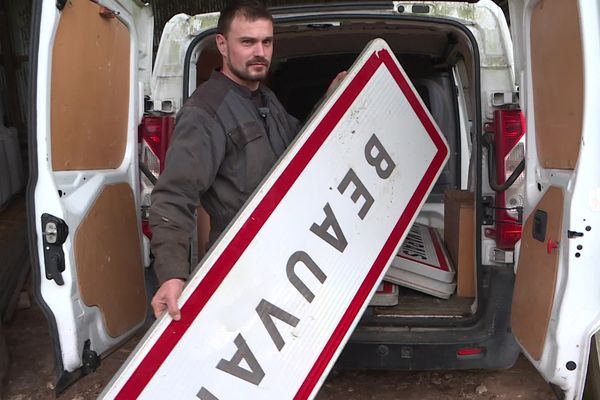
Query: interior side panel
x=557, y=82
x=90, y=97
x=536, y=274
x=109, y=261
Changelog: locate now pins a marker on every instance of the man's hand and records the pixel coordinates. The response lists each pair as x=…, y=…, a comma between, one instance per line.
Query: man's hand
x=336, y=81
x=166, y=298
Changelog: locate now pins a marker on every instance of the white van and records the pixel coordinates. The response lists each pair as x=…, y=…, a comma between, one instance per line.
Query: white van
x=102, y=113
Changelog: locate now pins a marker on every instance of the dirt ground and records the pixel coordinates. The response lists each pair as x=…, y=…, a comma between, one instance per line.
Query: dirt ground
x=30, y=375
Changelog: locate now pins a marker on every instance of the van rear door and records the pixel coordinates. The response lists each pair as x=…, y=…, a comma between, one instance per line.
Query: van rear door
x=556, y=299
x=86, y=85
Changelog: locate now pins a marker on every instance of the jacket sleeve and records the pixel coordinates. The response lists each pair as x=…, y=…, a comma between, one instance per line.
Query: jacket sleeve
x=295, y=125
x=195, y=153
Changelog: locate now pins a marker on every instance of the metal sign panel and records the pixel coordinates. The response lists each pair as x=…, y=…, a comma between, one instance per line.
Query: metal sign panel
x=269, y=310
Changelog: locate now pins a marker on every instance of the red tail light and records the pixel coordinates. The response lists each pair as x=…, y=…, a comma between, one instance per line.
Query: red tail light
x=155, y=132
x=154, y=136
x=509, y=151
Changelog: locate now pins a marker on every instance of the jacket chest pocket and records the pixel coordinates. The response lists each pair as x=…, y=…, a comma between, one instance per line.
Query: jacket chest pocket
x=251, y=156
x=246, y=133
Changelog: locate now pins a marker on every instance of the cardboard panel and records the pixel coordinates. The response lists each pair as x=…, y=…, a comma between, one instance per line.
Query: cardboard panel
x=90, y=97
x=557, y=82
x=459, y=236
x=536, y=275
x=108, y=259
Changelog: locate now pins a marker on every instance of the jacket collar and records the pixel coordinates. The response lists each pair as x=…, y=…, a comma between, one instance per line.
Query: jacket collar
x=242, y=90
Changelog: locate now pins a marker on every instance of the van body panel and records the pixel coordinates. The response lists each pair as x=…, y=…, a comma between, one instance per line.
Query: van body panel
x=556, y=43
x=83, y=196
x=167, y=76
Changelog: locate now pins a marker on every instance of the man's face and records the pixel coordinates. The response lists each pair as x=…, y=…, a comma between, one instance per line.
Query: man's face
x=247, y=50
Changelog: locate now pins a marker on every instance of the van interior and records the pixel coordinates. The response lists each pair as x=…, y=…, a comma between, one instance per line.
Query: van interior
x=439, y=59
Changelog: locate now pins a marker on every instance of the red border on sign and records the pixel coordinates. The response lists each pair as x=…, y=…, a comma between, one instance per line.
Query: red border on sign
x=236, y=247
x=438, y=250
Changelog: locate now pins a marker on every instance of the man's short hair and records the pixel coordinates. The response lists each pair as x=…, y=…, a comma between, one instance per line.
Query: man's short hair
x=249, y=9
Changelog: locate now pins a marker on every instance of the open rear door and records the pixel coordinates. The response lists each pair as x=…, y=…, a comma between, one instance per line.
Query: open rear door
x=556, y=300
x=83, y=192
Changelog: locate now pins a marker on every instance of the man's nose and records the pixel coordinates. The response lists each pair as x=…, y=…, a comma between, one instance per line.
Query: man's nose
x=259, y=49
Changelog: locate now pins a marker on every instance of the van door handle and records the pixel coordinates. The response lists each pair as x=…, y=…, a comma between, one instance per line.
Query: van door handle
x=540, y=222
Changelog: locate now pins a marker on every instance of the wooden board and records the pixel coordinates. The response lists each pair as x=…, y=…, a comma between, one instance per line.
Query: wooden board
x=90, y=97
x=109, y=262
x=557, y=82
x=536, y=276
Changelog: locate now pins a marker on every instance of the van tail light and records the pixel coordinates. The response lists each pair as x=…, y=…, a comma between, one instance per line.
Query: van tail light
x=509, y=145
x=154, y=134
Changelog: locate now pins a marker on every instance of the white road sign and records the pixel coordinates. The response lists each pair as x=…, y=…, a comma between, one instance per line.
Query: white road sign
x=271, y=307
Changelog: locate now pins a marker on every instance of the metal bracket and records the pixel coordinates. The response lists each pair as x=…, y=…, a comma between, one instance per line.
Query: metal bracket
x=106, y=12
x=487, y=207
x=89, y=358
x=54, y=234
x=502, y=256
x=574, y=234
x=500, y=99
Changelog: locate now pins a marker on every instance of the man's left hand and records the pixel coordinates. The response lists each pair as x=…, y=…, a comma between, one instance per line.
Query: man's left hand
x=335, y=82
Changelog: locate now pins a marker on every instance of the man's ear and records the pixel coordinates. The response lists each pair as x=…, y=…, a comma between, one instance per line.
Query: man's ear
x=221, y=44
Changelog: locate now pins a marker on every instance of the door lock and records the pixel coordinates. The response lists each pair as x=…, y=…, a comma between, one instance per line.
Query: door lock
x=54, y=234
x=51, y=232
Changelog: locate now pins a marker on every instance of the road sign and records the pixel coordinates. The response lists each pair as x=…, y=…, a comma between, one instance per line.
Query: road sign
x=271, y=307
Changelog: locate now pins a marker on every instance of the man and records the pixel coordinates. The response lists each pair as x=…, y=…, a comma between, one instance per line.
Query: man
x=228, y=135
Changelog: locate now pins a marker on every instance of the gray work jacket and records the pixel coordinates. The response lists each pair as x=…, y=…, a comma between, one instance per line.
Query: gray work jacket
x=220, y=151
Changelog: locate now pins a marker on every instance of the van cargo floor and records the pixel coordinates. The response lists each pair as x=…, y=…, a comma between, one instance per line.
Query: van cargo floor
x=414, y=304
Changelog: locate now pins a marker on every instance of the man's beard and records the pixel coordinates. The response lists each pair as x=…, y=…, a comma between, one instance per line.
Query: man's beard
x=245, y=74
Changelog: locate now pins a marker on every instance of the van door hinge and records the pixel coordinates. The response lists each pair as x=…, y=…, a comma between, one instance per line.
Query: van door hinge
x=54, y=234
x=89, y=358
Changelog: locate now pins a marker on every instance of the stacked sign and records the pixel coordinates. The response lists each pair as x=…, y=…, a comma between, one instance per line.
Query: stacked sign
x=386, y=295
x=423, y=264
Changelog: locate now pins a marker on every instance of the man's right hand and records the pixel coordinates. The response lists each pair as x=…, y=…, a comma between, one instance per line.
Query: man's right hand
x=166, y=298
